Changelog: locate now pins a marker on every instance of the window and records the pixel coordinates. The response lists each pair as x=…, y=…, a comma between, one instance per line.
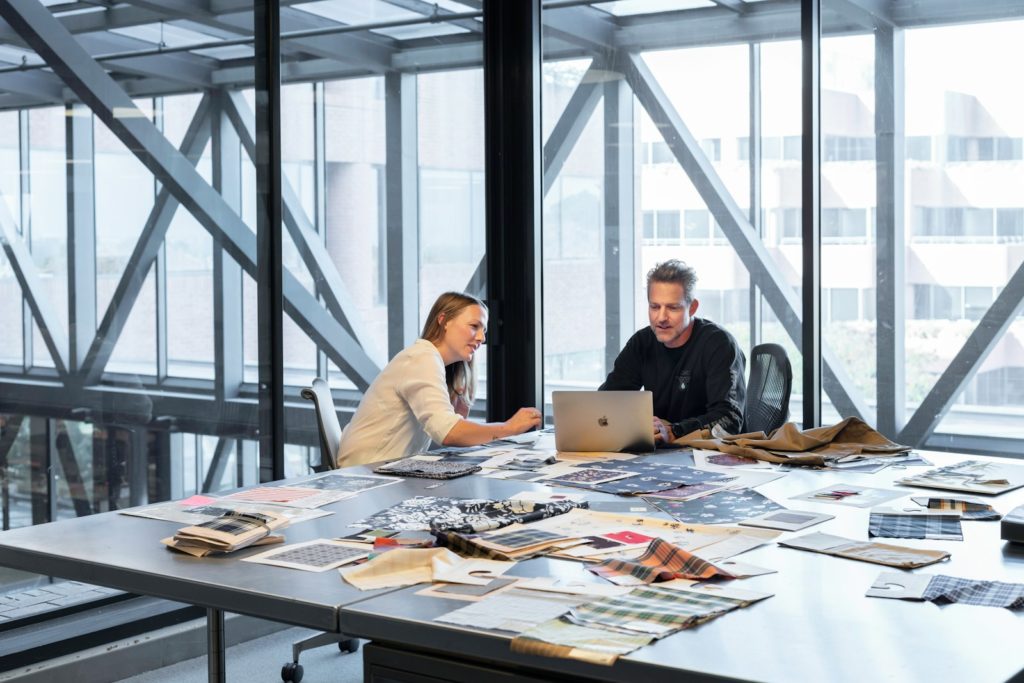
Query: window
x=919, y=147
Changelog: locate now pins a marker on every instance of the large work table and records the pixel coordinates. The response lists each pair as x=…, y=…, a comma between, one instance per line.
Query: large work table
x=818, y=625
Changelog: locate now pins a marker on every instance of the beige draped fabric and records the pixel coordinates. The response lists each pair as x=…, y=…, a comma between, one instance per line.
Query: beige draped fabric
x=788, y=444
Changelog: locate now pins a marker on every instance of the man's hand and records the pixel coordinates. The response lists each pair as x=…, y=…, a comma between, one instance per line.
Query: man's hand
x=662, y=431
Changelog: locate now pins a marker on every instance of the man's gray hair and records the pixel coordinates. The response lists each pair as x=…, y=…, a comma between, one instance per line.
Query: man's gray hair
x=676, y=272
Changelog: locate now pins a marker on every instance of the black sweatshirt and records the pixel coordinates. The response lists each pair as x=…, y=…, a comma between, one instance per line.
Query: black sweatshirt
x=698, y=385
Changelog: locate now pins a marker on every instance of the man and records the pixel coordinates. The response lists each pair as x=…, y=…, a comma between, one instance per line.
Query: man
x=693, y=367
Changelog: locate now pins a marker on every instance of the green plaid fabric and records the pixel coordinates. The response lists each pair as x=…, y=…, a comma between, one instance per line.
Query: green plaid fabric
x=662, y=561
x=653, y=610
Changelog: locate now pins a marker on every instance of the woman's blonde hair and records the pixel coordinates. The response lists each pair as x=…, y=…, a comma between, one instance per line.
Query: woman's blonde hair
x=460, y=375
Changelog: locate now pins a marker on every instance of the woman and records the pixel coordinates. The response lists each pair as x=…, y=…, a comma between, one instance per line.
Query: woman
x=425, y=392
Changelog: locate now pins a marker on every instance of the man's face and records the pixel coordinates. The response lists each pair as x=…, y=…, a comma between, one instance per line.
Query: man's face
x=671, y=317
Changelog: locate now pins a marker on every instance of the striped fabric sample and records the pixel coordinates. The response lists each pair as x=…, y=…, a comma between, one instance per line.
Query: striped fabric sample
x=968, y=509
x=662, y=561
x=942, y=589
x=935, y=527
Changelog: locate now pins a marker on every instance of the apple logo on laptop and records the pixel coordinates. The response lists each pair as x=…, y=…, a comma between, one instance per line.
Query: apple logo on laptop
x=602, y=421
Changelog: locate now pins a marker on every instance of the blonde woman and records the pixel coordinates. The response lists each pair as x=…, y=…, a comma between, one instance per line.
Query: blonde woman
x=425, y=392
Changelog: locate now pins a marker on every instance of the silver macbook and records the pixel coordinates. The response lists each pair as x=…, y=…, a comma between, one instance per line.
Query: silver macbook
x=607, y=421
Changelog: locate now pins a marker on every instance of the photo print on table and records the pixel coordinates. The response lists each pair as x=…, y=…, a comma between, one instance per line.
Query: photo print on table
x=850, y=495
x=787, y=520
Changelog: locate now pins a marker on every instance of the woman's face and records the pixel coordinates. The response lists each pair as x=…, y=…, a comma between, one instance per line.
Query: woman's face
x=463, y=334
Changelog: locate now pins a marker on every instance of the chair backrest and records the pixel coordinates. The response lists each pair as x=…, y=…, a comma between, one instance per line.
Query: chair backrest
x=327, y=422
x=771, y=378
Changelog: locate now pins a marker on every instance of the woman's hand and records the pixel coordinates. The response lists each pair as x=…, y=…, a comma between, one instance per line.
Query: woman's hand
x=524, y=420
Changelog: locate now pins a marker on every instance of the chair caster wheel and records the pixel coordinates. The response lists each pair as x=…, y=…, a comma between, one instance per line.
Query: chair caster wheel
x=291, y=672
x=349, y=646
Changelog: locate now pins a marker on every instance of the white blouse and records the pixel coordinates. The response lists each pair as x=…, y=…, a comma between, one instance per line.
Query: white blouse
x=406, y=407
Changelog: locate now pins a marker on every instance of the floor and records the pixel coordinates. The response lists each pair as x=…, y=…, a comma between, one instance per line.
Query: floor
x=260, y=660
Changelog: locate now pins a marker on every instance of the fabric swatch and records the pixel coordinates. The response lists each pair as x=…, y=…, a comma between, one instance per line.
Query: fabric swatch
x=650, y=477
x=430, y=513
x=662, y=561
x=969, y=509
x=933, y=527
x=717, y=508
x=973, y=592
x=563, y=639
x=652, y=610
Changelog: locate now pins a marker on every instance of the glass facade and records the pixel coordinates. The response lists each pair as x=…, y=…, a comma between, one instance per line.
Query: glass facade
x=130, y=334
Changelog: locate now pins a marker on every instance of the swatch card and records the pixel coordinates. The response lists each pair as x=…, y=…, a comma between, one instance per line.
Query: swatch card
x=851, y=495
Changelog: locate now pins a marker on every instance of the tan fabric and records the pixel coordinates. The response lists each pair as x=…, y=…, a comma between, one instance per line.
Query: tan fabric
x=790, y=445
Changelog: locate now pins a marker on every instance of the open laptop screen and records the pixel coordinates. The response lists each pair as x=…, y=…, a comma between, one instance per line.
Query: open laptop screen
x=606, y=421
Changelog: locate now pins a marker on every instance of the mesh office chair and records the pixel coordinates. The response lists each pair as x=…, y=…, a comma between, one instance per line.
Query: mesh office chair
x=771, y=379
x=327, y=422
x=330, y=439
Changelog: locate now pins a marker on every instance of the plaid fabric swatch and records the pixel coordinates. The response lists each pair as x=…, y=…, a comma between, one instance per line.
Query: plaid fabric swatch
x=935, y=527
x=521, y=538
x=563, y=639
x=967, y=509
x=662, y=561
x=465, y=545
x=652, y=610
x=943, y=589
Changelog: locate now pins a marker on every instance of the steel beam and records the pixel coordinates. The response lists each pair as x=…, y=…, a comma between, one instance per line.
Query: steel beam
x=586, y=27
x=319, y=203
x=41, y=86
x=219, y=464
x=145, y=253
x=620, y=253
x=310, y=245
x=402, y=188
x=267, y=254
x=572, y=122
x=431, y=9
x=764, y=273
x=228, y=344
x=27, y=274
x=754, y=158
x=81, y=225
x=890, y=246
x=559, y=146
x=91, y=83
x=810, y=186
x=72, y=472
x=512, y=148
x=992, y=326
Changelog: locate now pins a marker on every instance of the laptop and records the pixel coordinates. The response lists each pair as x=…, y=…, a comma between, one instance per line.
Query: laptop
x=604, y=421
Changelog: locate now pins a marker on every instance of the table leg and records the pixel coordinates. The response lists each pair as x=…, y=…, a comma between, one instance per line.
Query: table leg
x=215, y=671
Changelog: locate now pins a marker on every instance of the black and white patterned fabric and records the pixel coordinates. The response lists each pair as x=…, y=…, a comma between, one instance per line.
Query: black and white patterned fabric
x=468, y=516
